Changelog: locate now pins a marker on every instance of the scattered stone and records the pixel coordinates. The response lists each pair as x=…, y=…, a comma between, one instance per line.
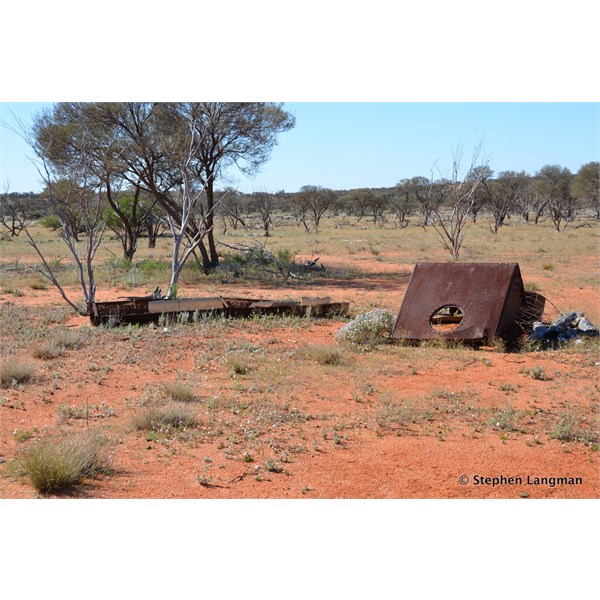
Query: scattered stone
x=586, y=327
x=562, y=330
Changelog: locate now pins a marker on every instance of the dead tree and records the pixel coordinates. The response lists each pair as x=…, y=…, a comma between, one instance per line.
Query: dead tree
x=88, y=196
x=450, y=223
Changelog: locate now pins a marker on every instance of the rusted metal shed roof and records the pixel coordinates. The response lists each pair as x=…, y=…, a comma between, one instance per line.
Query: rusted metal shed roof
x=460, y=301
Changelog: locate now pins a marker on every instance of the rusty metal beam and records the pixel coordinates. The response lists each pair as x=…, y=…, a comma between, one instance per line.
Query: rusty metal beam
x=144, y=310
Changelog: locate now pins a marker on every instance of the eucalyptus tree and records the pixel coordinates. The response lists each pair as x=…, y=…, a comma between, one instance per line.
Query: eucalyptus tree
x=311, y=203
x=503, y=195
x=401, y=201
x=553, y=187
x=428, y=195
x=585, y=187
x=146, y=144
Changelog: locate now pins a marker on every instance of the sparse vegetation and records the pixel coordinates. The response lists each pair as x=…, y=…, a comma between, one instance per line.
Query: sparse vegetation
x=395, y=415
x=279, y=389
x=570, y=427
x=506, y=419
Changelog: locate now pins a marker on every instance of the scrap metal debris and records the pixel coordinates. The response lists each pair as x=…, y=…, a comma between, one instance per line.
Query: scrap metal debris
x=462, y=301
x=562, y=330
x=148, y=310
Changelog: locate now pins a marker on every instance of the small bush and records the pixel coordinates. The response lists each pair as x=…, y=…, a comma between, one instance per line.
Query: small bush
x=272, y=466
x=368, y=329
x=57, y=463
x=539, y=374
x=179, y=391
x=506, y=419
x=326, y=355
x=569, y=428
x=396, y=415
x=58, y=342
x=38, y=284
x=66, y=339
x=14, y=372
x=47, y=351
x=162, y=419
x=151, y=264
x=238, y=365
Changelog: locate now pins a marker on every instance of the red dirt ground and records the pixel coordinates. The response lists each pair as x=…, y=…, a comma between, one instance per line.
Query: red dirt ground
x=420, y=462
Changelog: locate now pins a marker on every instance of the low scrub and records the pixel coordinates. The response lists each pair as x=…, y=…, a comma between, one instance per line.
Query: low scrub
x=179, y=392
x=569, y=428
x=162, y=419
x=13, y=372
x=326, y=355
x=396, y=415
x=368, y=329
x=58, y=342
x=239, y=364
x=57, y=463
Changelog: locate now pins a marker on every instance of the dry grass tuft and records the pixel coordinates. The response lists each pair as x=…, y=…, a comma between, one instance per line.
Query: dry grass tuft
x=14, y=372
x=57, y=463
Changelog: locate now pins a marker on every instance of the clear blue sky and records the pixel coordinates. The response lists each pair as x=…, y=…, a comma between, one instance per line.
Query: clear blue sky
x=350, y=145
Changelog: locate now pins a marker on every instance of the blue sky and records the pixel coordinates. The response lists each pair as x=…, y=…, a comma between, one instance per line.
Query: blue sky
x=349, y=145
x=375, y=144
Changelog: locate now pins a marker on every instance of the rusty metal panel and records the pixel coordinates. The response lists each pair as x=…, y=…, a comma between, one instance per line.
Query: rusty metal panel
x=307, y=301
x=460, y=301
x=185, y=305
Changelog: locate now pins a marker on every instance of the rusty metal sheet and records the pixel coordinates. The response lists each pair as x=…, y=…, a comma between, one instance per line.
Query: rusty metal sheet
x=460, y=301
x=185, y=305
x=307, y=301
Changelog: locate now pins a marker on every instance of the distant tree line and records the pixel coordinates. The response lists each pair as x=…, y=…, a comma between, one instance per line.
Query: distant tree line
x=133, y=213
x=143, y=169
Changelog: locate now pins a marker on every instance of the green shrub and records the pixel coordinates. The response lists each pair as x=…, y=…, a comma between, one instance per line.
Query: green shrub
x=151, y=264
x=538, y=373
x=368, y=329
x=56, y=463
x=51, y=222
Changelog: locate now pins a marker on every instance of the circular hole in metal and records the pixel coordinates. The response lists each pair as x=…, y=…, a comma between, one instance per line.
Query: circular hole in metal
x=446, y=318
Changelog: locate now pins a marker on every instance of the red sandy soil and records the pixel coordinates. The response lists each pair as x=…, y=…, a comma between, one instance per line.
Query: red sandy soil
x=425, y=461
